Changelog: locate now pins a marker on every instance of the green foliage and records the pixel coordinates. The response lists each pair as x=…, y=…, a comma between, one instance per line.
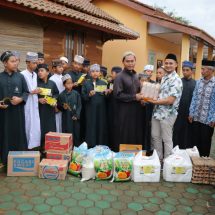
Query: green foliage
x=173, y=15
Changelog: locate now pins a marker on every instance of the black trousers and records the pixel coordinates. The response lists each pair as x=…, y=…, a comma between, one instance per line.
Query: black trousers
x=202, y=137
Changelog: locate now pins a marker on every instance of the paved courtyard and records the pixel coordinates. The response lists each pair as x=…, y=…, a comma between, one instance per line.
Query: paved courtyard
x=30, y=195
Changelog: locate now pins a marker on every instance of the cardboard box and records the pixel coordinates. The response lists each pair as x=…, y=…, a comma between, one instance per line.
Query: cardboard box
x=58, y=142
x=53, y=169
x=58, y=156
x=23, y=163
x=129, y=148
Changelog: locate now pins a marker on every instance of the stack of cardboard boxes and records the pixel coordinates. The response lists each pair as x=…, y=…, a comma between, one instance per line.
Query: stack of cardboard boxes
x=58, y=147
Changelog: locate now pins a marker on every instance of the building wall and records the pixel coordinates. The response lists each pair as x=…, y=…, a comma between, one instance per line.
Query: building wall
x=143, y=47
x=21, y=32
x=113, y=50
x=161, y=48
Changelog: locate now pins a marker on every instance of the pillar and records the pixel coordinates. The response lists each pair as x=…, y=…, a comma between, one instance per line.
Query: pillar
x=185, y=51
x=199, y=58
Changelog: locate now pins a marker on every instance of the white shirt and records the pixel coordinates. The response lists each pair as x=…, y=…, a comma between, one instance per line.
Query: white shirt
x=58, y=116
x=32, y=118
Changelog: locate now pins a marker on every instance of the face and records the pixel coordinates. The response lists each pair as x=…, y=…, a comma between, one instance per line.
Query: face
x=206, y=72
x=160, y=73
x=59, y=69
x=113, y=75
x=32, y=65
x=149, y=73
x=43, y=73
x=129, y=62
x=77, y=66
x=68, y=84
x=65, y=65
x=17, y=61
x=187, y=72
x=95, y=74
x=41, y=60
x=86, y=69
x=170, y=65
x=11, y=65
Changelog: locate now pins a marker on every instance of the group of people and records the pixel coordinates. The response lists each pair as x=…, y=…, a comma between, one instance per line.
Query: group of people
x=103, y=110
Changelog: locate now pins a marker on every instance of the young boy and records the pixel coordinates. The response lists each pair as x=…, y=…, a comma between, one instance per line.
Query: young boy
x=48, y=89
x=69, y=102
x=94, y=93
x=76, y=72
x=12, y=119
x=57, y=78
x=32, y=118
x=112, y=110
x=183, y=129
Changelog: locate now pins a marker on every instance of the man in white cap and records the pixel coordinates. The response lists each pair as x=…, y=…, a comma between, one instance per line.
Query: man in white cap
x=148, y=71
x=65, y=64
x=76, y=72
x=126, y=90
x=32, y=118
x=17, y=56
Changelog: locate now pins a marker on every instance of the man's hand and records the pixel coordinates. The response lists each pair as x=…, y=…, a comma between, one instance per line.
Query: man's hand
x=108, y=91
x=75, y=84
x=65, y=106
x=92, y=93
x=152, y=101
x=190, y=119
x=56, y=110
x=139, y=96
x=36, y=91
x=42, y=101
x=3, y=106
x=16, y=100
x=74, y=118
x=212, y=124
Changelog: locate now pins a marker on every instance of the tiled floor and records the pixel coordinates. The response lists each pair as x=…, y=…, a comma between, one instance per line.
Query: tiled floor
x=30, y=195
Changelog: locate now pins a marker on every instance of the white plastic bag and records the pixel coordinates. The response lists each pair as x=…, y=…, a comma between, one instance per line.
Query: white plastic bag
x=88, y=170
x=178, y=167
x=146, y=168
x=193, y=152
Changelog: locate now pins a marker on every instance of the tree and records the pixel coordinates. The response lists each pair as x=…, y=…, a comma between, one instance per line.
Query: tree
x=173, y=15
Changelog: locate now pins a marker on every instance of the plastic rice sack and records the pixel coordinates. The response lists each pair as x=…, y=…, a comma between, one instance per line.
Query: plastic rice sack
x=88, y=170
x=123, y=163
x=77, y=158
x=193, y=152
x=103, y=162
x=146, y=168
x=178, y=167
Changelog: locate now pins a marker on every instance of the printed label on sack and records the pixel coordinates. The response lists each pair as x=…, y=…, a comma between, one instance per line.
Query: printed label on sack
x=178, y=170
x=23, y=164
x=147, y=169
x=50, y=172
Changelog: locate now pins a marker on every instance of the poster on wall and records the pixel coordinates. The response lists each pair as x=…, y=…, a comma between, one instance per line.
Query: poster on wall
x=159, y=63
x=151, y=57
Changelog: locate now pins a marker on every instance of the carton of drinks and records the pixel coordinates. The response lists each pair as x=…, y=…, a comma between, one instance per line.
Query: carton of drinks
x=53, y=169
x=23, y=163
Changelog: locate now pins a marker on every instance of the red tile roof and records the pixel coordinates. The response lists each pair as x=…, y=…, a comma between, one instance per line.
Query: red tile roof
x=81, y=11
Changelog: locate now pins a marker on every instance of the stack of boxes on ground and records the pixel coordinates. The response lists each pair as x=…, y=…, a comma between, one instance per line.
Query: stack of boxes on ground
x=100, y=163
x=58, y=147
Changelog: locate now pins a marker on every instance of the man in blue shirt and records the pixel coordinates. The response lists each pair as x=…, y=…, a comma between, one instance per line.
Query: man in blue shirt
x=202, y=109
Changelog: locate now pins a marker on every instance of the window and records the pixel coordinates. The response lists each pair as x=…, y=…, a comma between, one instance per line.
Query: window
x=69, y=46
x=80, y=43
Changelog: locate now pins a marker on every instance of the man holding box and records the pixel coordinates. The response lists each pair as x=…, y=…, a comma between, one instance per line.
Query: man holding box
x=165, y=111
x=126, y=91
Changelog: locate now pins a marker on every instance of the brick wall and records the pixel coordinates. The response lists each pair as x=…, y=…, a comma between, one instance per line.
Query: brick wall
x=54, y=42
